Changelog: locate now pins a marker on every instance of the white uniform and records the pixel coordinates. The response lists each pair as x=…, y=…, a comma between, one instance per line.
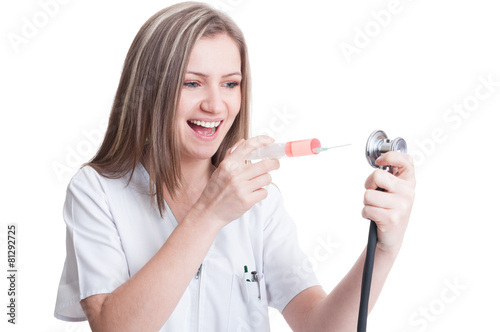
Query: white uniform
x=113, y=231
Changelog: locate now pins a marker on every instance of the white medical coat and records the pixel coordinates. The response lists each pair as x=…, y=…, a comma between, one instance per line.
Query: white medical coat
x=113, y=230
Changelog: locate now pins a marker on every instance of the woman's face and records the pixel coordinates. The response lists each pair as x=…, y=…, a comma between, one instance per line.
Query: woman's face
x=210, y=97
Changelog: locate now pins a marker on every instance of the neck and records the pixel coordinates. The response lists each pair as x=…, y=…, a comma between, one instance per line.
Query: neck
x=195, y=174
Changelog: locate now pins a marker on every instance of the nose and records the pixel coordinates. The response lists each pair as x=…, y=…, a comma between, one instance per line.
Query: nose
x=213, y=101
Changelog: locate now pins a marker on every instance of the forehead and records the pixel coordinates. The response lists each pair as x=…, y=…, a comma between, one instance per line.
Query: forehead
x=217, y=54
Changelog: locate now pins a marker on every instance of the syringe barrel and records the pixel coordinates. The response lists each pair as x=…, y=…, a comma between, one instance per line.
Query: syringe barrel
x=271, y=151
x=288, y=149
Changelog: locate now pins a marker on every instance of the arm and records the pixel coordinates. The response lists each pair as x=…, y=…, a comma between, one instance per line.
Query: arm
x=155, y=290
x=312, y=309
x=146, y=300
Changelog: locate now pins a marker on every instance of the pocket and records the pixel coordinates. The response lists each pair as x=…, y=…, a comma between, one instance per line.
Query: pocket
x=248, y=313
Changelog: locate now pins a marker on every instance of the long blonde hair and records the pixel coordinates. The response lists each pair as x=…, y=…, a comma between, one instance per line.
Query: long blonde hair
x=145, y=103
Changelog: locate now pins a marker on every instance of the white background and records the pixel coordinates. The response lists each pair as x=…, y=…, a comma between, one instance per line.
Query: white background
x=57, y=88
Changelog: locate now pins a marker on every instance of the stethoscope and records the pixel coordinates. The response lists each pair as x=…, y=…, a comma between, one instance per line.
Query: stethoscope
x=378, y=143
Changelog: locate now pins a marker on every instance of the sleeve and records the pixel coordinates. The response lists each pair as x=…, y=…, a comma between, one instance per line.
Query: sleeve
x=288, y=270
x=95, y=261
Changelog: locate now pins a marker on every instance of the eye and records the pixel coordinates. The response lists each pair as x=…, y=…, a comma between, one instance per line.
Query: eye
x=191, y=84
x=230, y=85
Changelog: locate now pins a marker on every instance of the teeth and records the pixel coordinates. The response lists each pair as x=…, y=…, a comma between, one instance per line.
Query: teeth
x=206, y=124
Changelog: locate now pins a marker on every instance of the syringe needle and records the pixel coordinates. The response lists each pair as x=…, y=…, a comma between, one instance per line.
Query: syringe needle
x=337, y=146
x=318, y=150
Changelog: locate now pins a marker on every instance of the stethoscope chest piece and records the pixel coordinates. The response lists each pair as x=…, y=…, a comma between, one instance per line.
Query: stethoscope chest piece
x=378, y=143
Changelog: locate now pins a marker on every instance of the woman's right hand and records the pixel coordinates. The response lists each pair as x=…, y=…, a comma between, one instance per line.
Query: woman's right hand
x=235, y=186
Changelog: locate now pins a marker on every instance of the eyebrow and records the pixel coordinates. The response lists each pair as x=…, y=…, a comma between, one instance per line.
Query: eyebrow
x=205, y=75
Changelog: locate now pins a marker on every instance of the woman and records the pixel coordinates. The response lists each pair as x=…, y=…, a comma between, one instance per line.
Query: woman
x=169, y=229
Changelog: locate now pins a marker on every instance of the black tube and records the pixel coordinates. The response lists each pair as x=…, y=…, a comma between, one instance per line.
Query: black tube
x=366, y=281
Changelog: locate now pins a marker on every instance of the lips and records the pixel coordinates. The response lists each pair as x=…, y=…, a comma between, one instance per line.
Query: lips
x=204, y=128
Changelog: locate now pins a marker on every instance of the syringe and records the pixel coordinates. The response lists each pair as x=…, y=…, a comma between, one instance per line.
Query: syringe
x=290, y=149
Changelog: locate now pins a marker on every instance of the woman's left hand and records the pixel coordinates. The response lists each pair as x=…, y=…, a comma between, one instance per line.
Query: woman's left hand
x=390, y=209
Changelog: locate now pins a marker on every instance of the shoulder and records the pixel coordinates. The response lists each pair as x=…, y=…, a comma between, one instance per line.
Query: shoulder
x=89, y=185
x=87, y=178
x=86, y=173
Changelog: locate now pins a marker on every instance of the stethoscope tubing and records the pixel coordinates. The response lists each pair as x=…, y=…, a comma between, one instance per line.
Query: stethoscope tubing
x=366, y=280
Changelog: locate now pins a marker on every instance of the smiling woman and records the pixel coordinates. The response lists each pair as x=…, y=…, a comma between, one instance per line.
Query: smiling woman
x=170, y=229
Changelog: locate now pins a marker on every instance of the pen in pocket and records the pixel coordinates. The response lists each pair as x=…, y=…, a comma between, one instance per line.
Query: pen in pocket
x=255, y=278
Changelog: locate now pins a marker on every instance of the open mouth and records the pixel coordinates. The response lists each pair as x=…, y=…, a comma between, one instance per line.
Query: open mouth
x=203, y=128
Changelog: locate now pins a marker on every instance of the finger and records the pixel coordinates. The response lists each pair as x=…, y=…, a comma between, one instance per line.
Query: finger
x=259, y=168
x=377, y=215
x=230, y=150
x=258, y=195
x=402, y=162
x=251, y=144
x=259, y=182
x=382, y=179
x=381, y=199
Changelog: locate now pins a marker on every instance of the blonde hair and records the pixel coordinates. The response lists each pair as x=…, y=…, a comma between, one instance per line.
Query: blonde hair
x=145, y=103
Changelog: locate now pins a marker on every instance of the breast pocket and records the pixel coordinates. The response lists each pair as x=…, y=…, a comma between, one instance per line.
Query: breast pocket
x=248, y=312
